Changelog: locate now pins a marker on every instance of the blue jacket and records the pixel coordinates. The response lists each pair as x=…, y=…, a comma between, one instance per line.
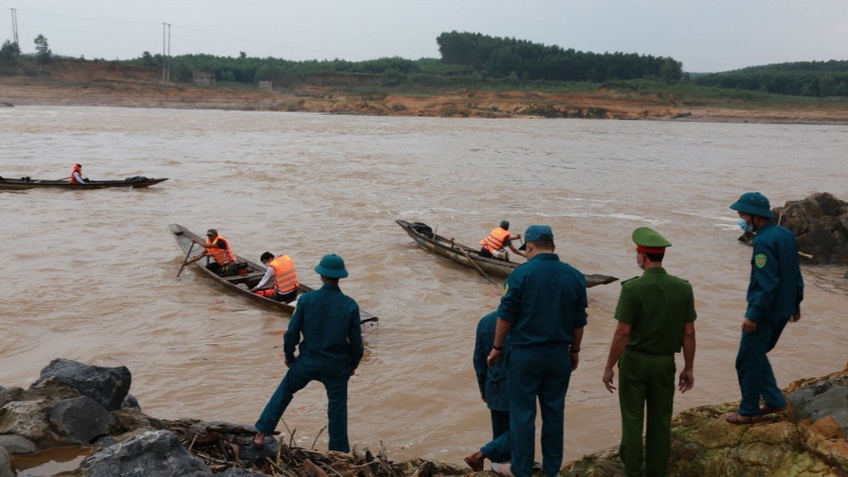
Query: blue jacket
x=492, y=380
x=329, y=323
x=776, y=288
x=545, y=300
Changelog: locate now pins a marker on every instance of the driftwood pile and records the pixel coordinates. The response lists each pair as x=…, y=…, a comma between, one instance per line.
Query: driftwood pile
x=222, y=446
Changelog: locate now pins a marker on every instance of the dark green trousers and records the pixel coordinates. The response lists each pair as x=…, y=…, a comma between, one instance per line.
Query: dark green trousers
x=645, y=381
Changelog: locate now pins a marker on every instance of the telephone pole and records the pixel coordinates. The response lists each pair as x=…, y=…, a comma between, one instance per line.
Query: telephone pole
x=166, y=52
x=15, y=26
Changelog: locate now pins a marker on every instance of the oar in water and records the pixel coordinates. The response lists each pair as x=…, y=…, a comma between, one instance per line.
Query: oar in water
x=186, y=260
x=472, y=262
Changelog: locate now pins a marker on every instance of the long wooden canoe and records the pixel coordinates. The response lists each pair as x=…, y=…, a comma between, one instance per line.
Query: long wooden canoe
x=27, y=183
x=461, y=254
x=241, y=284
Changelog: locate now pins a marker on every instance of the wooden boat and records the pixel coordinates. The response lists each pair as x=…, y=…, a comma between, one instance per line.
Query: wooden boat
x=470, y=257
x=27, y=183
x=241, y=284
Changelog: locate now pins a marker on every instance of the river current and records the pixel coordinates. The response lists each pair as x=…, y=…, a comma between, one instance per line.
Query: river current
x=91, y=275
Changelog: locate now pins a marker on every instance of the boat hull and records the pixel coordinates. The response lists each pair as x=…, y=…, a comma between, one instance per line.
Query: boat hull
x=241, y=284
x=27, y=183
x=463, y=255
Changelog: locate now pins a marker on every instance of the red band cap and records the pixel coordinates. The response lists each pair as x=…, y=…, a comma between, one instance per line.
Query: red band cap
x=660, y=250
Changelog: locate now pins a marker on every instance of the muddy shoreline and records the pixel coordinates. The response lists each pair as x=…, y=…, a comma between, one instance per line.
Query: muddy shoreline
x=145, y=93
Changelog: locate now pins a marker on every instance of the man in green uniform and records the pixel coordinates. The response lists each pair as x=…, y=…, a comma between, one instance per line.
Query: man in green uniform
x=543, y=309
x=656, y=317
x=330, y=350
x=775, y=291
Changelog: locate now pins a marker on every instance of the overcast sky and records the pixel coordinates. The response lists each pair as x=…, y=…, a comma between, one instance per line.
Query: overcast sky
x=705, y=35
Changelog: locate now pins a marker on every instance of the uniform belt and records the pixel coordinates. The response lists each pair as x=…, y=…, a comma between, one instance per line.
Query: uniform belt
x=640, y=350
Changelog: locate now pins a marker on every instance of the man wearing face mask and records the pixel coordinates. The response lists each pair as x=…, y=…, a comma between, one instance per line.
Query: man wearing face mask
x=775, y=292
x=656, y=318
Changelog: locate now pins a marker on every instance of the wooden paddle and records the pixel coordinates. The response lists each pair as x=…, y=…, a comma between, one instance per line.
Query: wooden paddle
x=185, y=262
x=472, y=262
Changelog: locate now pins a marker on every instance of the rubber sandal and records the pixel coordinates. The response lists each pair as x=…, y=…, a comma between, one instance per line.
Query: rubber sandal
x=771, y=410
x=255, y=444
x=503, y=469
x=476, y=466
x=736, y=418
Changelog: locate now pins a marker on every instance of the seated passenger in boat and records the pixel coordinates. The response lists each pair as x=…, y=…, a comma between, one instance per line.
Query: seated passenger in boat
x=495, y=245
x=76, y=175
x=281, y=274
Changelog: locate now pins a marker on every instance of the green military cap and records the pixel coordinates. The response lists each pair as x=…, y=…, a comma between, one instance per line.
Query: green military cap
x=649, y=240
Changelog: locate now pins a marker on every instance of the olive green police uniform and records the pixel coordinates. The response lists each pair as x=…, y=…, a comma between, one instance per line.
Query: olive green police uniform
x=657, y=306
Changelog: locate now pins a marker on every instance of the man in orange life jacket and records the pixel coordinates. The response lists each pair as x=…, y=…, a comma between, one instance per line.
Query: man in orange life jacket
x=220, y=250
x=76, y=175
x=499, y=239
x=281, y=271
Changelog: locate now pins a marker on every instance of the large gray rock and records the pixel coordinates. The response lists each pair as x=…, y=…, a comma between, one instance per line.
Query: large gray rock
x=81, y=419
x=149, y=454
x=108, y=386
x=828, y=398
x=16, y=444
x=27, y=419
x=820, y=223
x=6, y=469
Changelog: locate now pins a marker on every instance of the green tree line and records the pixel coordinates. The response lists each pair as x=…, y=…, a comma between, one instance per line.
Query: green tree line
x=808, y=78
x=500, y=57
x=473, y=60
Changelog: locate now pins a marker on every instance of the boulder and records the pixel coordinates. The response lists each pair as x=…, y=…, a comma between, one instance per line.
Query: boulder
x=27, y=414
x=15, y=444
x=6, y=469
x=149, y=454
x=130, y=402
x=81, y=419
x=27, y=419
x=108, y=386
x=820, y=223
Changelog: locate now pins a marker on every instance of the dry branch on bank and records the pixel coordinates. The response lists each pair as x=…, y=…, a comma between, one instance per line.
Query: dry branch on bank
x=222, y=446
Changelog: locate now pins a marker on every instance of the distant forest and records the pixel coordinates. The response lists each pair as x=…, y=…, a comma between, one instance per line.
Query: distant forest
x=475, y=61
x=808, y=78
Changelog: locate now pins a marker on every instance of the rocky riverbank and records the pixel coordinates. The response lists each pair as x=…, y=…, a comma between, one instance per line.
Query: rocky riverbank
x=87, y=413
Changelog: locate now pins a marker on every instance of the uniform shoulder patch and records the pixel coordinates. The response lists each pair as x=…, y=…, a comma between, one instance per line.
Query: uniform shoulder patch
x=760, y=260
x=628, y=280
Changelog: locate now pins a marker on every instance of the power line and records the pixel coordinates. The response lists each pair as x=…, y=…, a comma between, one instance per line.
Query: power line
x=185, y=28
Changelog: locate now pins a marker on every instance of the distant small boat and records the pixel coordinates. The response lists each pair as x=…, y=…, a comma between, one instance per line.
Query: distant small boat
x=470, y=257
x=185, y=239
x=27, y=183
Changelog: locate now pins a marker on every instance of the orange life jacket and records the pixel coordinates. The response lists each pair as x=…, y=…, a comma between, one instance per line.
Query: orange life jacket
x=285, y=278
x=495, y=240
x=224, y=256
x=77, y=168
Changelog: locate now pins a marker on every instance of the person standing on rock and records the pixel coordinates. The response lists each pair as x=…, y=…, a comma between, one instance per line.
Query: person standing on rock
x=543, y=310
x=656, y=318
x=325, y=328
x=775, y=292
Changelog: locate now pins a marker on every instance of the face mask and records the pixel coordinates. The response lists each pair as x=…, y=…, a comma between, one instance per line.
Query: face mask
x=744, y=225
